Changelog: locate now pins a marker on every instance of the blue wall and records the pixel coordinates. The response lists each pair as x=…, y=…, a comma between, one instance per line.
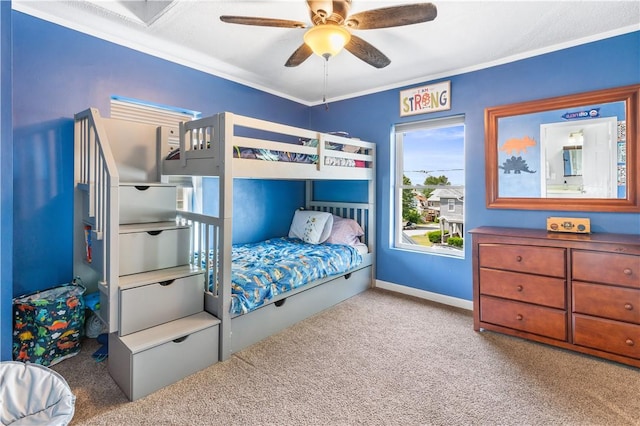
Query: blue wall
x=6, y=182
x=262, y=209
x=604, y=64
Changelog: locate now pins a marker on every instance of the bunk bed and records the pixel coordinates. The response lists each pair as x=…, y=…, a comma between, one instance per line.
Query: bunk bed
x=230, y=146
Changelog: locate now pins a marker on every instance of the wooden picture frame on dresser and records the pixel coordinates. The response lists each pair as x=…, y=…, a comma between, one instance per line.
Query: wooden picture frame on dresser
x=575, y=291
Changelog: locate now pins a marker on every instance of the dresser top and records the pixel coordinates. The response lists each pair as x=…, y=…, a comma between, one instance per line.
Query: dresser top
x=595, y=237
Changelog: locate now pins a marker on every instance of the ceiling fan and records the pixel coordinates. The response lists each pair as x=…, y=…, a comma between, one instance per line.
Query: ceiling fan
x=331, y=19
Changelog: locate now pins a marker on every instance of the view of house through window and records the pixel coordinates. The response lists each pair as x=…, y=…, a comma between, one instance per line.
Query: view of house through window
x=429, y=186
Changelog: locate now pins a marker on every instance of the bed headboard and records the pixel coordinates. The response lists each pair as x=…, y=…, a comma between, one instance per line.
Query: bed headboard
x=360, y=212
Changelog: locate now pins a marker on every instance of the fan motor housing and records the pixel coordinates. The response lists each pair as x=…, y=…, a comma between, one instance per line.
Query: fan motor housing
x=323, y=11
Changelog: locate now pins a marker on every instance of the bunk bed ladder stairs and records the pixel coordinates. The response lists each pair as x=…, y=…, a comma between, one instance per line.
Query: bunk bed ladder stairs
x=129, y=247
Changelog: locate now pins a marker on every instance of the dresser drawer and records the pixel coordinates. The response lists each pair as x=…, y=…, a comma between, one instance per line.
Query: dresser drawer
x=156, y=303
x=147, y=203
x=154, y=246
x=143, y=362
x=607, y=335
x=616, y=303
x=548, y=261
x=607, y=268
x=534, y=319
x=536, y=289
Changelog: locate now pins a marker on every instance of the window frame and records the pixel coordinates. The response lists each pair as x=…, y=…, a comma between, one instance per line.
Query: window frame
x=397, y=187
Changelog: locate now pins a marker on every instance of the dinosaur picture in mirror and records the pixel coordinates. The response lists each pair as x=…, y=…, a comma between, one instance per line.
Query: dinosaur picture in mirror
x=581, y=147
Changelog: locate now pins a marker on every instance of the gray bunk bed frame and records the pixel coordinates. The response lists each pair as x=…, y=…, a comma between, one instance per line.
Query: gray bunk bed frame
x=206, y=149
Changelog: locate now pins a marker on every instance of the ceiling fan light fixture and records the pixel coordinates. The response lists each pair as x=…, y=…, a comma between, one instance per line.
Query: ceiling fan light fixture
x=327, y=40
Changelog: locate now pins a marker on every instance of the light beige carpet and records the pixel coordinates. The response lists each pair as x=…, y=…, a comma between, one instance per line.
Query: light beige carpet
x=377, y=359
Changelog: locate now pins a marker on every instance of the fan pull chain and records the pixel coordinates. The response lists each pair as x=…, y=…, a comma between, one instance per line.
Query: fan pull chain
x=326, y=78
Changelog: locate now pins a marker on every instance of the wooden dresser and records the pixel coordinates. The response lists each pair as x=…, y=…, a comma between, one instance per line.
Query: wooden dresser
x=576, y=291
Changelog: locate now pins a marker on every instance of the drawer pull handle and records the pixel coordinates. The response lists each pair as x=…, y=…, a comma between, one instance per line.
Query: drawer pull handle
x=180, y=339
x=166, y=283
x=518, y=258
x=280, y=302
x=154, y=233
x=347, y=276
x=627, y=271
x=519, y=288
x=519, y=317
x=629, y=342
x=142, y=187
x=628, y=306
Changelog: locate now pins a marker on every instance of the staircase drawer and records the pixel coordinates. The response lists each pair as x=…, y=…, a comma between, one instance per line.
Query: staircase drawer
x=160, y=302
x=144, y=362
x=147, y=203
x=160, y=247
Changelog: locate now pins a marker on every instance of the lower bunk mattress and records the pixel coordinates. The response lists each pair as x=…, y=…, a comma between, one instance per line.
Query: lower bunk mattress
x=260, y=271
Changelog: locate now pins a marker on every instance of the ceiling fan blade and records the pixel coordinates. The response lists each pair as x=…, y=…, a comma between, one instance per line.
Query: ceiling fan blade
x=299, y=56
x=393, y=16
x=366, y=52
x=262, y=22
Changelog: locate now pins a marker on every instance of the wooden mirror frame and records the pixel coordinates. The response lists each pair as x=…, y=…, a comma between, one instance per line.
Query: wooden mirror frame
x=628, y=94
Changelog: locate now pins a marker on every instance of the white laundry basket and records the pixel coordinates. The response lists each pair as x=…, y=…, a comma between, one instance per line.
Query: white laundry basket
x=31, y=394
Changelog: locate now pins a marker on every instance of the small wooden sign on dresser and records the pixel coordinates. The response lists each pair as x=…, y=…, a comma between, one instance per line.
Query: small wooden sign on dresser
x=576, y=291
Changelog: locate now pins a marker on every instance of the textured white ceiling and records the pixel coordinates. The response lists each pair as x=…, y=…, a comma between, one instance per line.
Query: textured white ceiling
x=465, y=36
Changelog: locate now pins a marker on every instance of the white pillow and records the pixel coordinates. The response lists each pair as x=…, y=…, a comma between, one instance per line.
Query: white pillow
x=311, y=226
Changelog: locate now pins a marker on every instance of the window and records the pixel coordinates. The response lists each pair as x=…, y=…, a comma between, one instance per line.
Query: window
x=429, y=186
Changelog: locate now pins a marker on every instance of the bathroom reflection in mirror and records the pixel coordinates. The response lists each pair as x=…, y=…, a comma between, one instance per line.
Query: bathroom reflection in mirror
x=572, y=158
x=582, y=147
x=572, y=154
x=580, y=158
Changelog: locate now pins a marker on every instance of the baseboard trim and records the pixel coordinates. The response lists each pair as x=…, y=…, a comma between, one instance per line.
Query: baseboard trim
x=427, y=295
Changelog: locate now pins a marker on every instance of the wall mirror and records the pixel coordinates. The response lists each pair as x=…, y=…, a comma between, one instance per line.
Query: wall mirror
x=576, y=152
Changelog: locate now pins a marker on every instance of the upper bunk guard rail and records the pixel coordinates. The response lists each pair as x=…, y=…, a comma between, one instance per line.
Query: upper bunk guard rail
x=207, y=147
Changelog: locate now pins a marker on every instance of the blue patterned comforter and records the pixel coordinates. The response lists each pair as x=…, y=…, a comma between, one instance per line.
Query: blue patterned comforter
x=263, y=270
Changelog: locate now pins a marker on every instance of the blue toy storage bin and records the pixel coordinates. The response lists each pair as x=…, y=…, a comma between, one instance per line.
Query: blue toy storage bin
x=48, y=325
